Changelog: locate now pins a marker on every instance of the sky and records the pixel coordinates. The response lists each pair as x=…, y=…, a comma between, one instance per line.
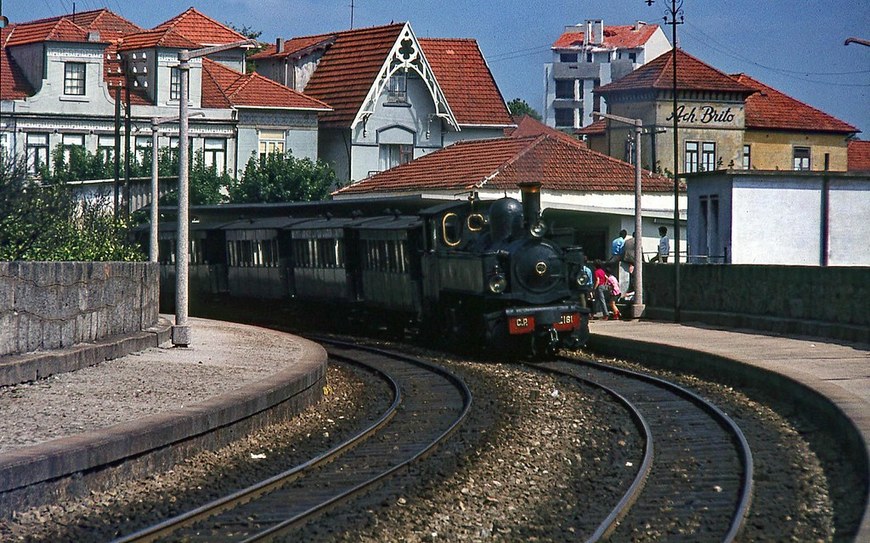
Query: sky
x=794, y=46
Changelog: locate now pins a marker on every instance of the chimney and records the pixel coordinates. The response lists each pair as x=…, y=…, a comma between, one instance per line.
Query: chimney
x=531, y=192
x=279, y=45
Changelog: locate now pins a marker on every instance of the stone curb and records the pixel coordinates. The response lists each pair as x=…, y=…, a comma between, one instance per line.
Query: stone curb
x=23, y=368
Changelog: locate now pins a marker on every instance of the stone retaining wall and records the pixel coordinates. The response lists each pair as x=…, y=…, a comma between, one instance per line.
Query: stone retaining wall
x=827, y=302
x=53, y=305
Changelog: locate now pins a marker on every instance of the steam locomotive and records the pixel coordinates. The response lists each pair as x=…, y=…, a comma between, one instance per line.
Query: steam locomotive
x=468, y=273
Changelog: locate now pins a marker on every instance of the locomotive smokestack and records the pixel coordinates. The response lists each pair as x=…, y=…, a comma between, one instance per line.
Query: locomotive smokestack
x=531, y=191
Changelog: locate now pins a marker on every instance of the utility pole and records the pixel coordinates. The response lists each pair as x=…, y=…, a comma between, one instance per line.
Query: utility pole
x=674, y=16
x=181, y=330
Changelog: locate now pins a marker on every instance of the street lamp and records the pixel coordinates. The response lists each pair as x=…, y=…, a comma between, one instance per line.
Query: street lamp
x=675, y=11
x=181, y=330
x=637, y=305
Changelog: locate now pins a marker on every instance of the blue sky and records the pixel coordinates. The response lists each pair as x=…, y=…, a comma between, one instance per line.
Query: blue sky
x=795, y=46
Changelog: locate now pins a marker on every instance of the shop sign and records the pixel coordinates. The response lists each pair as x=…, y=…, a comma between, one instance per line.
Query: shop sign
x=703, y=115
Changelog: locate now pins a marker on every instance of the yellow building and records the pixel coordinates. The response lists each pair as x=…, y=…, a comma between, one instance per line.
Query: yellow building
x=725, y=122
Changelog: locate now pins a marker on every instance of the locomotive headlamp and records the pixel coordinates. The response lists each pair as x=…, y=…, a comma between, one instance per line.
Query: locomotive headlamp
x=582, y=279
x=538, y=229
x=497, y=283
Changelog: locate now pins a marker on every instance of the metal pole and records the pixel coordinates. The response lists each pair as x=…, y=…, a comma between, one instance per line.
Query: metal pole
x=638, y=306
x=117, y=151
x=152, y=248
x=181, y=330
x=676, y=170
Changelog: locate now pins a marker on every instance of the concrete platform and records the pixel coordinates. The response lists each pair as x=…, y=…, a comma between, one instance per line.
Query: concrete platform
x=142, y=412
x=830, y=380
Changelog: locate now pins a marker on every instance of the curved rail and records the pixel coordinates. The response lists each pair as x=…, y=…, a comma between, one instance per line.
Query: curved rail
x=741, y=445
x=275, y=484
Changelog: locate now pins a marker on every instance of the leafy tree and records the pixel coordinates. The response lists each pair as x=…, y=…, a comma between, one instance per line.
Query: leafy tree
x=518, y=107
x=45, y=221
x=283, y=178
x=250, y=33
x=205, y=185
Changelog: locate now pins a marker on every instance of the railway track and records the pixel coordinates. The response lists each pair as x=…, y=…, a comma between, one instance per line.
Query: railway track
x=428, y=405
x=695, y=480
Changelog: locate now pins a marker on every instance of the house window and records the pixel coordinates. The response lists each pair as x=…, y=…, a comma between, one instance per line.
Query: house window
x=106, y=148
x=74, y=78
x=747, y=157
x=215, y=154
x=632, y=57
x=393, y=155
x=69, y=141
x=565, y=90
x=708, y=156
x=397, y=88
x=564, y=117
x=801, y=158
x=567, y=57
x=691, y=156
x=37, y=152
x=271, y=141
x=588, y=57
x=174, y=83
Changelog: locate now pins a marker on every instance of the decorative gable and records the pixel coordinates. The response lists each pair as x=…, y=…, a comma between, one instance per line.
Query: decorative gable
x=406, y=55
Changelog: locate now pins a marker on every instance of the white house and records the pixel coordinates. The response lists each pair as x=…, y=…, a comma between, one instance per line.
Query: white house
x=394, y=97
x=779, y=217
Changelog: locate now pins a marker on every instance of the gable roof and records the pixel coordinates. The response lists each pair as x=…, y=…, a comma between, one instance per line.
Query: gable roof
x=200, y=28
x=596, y=128
x=617, y=37
x=692, y=74
x=348, y=69
x=466, y=81
x=223, y=87
x=770, y=109
x=295, y=47
x=859, y=156
x=501, y=164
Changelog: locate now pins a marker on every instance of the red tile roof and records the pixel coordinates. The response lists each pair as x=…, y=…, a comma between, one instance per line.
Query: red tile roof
x=597, y=128
x=348, y=70
x=502, y=163
x=294, y=47
x=13, y=84
x=769, y=109
x=859, y=156
x=223, y=88
x=149, y=39
x=200, y=28
x=528, y=126
x=692, y=74
x=110, y=25
x=466, y=80
x=60, y=30
x=622, y=37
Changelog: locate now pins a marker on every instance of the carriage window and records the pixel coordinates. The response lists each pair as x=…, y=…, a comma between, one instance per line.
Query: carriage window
x=451, y=229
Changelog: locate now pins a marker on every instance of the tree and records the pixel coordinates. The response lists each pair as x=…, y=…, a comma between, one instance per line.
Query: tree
x=518, y=107
x=281, y=177
x=252, y=34
x=205, y=185
x=45, y=221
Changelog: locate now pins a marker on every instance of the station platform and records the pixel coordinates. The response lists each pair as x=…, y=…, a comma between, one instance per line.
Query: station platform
x=827, y=378
x=86, y=429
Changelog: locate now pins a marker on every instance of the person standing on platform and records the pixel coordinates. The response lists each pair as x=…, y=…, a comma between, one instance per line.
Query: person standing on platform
x=599, y=286
x=664, y=246
x=626, y=266
x=617, y=246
